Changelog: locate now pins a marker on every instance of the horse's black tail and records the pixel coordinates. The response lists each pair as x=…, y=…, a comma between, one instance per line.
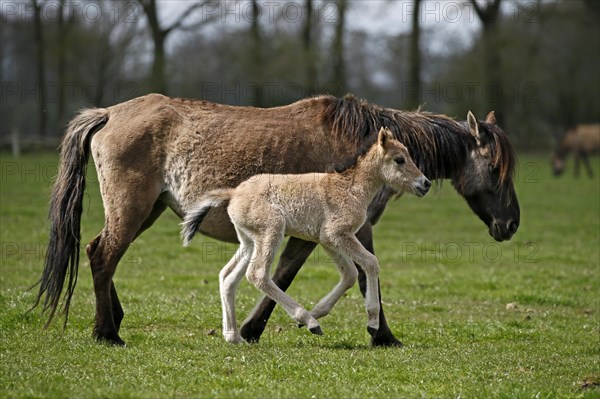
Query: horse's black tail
x=66, y=205
x=194, y=218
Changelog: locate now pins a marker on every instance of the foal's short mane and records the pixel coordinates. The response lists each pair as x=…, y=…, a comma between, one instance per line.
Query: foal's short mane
x=439, y=145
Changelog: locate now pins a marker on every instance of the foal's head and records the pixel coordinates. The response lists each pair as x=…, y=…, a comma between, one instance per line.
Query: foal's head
x=397, y=168
x=487, y=179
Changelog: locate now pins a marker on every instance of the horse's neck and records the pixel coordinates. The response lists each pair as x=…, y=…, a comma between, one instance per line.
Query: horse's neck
x=565, y=144
x=440, y=152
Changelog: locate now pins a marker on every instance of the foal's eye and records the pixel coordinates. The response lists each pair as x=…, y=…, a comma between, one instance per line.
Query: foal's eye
x=492, y=169
x=400, y=161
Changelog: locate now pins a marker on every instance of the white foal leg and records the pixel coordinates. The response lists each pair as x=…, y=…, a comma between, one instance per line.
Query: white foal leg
x=349, y=245
x=258, y=274
x=229, y=280
x=348, y=275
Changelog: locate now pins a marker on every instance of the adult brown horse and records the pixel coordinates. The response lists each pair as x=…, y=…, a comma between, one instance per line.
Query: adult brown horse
x=155, y=152
x=582, y=141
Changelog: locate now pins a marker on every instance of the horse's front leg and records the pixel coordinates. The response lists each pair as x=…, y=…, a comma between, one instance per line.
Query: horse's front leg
x=384, y=336
x=291, y=260
x=586, y=163
x=577, y=160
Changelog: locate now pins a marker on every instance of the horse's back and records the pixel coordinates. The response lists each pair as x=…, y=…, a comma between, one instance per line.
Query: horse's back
x=589, y=137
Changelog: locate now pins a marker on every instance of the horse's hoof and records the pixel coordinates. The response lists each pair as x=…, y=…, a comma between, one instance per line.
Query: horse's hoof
x=386, y=341
x=251, y=333
x=372, y=331
x=316, y=330
x=111, y=341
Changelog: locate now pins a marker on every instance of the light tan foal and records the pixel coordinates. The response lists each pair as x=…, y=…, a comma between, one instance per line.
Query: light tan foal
x=327, y=208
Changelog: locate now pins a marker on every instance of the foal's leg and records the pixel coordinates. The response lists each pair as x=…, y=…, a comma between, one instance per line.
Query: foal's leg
x=348, y=274
x=291, y=260
x=258, y=274
x=384, y=336
x=229, y=280
x=349, y=245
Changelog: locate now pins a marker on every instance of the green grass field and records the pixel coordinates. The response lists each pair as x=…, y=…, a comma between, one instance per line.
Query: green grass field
x=445, y=286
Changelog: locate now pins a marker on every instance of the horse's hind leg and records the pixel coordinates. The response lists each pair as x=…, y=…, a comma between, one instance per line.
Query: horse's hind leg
x=119, y=231
x=117, y=309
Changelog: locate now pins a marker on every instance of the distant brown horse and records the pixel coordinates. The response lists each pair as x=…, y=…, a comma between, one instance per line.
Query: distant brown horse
x=155, y=152
x=582, y=141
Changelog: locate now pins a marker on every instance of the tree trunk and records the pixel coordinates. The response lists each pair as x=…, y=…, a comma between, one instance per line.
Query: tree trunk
x=493, y=90
x=61, y=68
x=414, y=91
x=339, y=66
x=310, y=83
x=256, y=59
x=158, y=82
x=41, y=67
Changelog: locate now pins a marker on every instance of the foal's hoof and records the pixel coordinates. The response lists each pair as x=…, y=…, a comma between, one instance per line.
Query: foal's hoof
x=316, y=330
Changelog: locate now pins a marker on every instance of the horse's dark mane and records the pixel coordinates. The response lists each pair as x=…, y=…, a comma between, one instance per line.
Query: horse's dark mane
x=439, y=145
x=503, y=153
x=352, y=162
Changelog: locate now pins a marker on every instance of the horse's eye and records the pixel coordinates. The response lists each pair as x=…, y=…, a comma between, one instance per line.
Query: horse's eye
x=492, y=169
x=400, y=161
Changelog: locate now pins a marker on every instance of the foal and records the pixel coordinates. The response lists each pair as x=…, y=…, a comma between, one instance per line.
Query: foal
x=327, y=208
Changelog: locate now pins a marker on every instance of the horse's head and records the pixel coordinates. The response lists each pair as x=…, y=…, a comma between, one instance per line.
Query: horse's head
x=560, y=154
x=558, y=165
x=398, y=170
x=487, y=180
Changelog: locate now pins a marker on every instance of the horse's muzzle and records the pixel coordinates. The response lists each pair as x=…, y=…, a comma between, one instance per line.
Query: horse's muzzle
x=503, y=230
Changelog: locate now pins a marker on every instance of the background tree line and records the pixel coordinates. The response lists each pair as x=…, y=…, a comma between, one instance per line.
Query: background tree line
x=536, y=63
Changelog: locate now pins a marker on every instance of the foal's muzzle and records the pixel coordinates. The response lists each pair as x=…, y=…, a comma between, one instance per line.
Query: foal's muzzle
x=422, y=186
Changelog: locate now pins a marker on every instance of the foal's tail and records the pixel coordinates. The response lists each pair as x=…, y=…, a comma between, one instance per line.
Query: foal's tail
x=194, y=218
x=62, y=258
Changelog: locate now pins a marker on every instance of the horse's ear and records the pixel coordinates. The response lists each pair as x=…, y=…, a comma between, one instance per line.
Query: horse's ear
x=491, y=118
x=473, y=126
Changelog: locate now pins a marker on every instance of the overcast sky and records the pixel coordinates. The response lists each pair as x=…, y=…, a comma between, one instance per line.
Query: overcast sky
x=446, y=20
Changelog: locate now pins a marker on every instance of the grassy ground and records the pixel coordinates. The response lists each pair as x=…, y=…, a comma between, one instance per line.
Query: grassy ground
x=446, y=286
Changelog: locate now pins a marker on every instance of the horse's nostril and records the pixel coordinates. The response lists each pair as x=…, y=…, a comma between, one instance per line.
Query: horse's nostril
x=427, y=183
x=512, y=227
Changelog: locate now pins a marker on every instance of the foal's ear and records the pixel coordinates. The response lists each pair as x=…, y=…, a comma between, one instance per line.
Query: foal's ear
x=473, y=126
x=382, y=137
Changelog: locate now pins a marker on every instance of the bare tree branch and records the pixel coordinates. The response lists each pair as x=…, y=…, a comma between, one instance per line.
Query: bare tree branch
x=184, y=15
